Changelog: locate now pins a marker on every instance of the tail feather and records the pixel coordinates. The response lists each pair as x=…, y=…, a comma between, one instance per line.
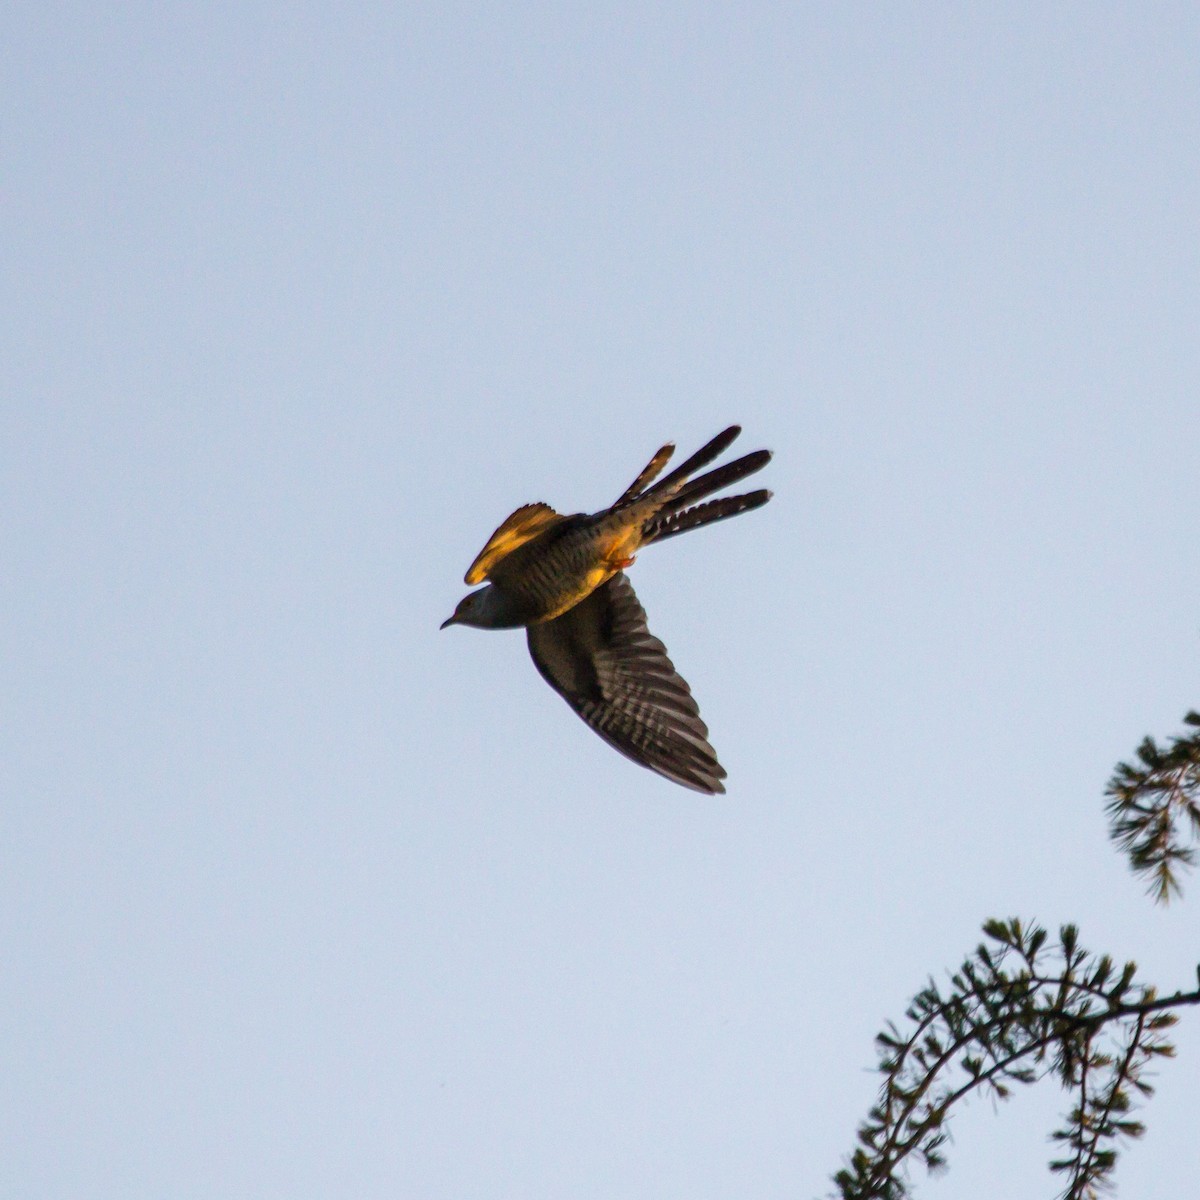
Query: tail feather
x=715, y=480
x=701, y=458
x=668, y=525
x=670, y=505
x=648, y=474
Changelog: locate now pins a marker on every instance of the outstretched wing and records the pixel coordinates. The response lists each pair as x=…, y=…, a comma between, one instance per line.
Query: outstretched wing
x=526, y=523
x=601, y=658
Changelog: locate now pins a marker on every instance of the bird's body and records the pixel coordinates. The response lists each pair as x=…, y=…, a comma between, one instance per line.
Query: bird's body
x=566, y=563
x=561, y=577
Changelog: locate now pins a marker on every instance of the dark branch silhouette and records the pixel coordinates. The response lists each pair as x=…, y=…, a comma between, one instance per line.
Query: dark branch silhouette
x=1019, y=1010
x=1148, y=804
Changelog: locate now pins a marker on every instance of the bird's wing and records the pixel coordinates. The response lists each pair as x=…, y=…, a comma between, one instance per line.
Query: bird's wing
x=600, y=657
x=526, y=523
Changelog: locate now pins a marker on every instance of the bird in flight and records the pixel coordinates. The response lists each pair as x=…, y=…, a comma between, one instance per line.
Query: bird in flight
x=563, y=579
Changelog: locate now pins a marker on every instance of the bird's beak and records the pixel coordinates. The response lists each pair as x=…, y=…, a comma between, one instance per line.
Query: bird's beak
x=451, y=620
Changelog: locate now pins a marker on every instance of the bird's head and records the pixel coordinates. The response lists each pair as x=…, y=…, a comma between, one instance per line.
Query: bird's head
x=485, y=608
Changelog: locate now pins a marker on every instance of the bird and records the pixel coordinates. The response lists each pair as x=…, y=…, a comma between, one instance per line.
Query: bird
x=562, y=578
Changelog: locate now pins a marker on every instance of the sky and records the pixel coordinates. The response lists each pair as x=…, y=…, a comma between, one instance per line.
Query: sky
x=301, y=897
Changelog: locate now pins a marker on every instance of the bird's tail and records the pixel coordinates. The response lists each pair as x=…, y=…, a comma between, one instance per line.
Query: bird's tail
x=667, y=525
x=677, y=510
x=720, y=477
x=640, y=488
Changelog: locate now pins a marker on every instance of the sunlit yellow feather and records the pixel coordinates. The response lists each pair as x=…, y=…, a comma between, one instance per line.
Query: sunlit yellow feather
x=526, y=523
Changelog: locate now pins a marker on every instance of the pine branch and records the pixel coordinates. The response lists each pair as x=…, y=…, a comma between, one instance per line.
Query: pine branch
x=1151, y=803
x=1012, y=1016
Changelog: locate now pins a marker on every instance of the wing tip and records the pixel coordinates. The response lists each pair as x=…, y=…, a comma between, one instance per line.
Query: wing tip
x=706, y=786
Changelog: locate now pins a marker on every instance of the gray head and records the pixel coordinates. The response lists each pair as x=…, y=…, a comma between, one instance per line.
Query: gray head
x=487, y=608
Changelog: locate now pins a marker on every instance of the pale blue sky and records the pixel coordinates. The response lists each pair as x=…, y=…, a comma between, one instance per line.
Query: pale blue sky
x=303, y=898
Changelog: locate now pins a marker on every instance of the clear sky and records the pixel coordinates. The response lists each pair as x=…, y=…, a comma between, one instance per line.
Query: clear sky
x=300, y=897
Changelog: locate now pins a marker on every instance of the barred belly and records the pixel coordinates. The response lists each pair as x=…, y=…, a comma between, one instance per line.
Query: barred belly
x=552, y=573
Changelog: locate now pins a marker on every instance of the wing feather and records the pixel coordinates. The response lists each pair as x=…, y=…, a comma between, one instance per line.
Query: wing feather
x=604, y=661
x=522, y=526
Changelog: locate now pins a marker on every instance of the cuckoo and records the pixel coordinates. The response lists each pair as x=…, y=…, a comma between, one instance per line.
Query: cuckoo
x=562, y=578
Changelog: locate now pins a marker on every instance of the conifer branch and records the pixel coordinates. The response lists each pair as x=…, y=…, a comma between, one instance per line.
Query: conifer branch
x=1154, y=809
x=1014, y=1013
